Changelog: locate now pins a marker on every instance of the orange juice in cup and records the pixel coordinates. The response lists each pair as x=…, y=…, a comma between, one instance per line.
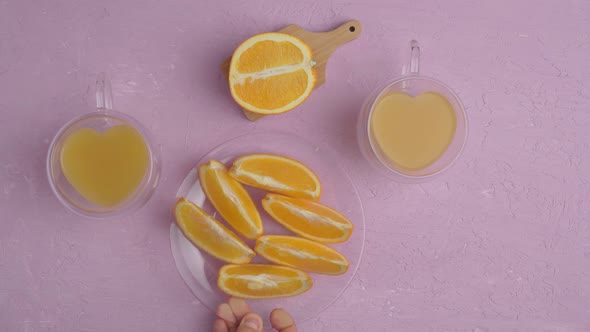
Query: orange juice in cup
x=105, y=167
x=413, y=132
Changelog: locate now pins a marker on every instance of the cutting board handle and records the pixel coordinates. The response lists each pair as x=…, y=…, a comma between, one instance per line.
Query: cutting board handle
x=323, y=44
x=345, y=33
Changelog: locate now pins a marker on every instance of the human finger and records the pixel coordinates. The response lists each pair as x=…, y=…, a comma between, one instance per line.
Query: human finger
x=220, y=326
x=282, y=321
x=225, y=312
x=250, y=323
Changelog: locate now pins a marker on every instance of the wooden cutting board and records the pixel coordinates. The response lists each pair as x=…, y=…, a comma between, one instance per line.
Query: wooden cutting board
x=322, y=44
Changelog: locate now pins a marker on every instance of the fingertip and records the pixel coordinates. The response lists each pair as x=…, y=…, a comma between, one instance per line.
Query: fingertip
x=282, y=321
x=224, y=312
x=239, y=307
x=251, y=322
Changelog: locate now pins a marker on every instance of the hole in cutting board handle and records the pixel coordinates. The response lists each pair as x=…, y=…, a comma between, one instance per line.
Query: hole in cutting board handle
x=352, y=28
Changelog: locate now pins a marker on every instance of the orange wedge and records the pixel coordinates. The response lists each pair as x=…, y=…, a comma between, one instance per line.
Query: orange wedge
x=309, y=219
x=271, y=73
x=230, y=199
x=260, y=281
x=277, y=174
x=301, y=253
x=210, y=235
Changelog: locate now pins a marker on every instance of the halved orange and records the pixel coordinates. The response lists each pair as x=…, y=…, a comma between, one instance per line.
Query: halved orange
x=260, y=281
x=230, y=199
x=309, y=219
x=271, y=73
x=277, y=174
x=301, y=253
x=210, y=235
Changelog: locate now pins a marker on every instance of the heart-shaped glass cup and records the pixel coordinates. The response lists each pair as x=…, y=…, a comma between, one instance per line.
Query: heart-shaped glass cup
x=412, y=84
x=101, y=120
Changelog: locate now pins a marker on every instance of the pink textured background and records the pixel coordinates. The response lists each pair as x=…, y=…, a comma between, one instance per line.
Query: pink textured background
x=500, y=243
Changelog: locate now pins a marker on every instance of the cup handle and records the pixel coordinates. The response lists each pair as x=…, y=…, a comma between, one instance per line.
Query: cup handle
x=104, y=93
x=414, y=58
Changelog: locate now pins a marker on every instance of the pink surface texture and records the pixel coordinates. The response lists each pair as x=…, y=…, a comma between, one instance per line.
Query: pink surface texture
x=501, y=242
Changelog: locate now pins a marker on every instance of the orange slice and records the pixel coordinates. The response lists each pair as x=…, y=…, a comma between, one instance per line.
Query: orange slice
x=271, y=73
x=278, y=174
x=301, y=253
x=260, y=281
x=230, y=199
x=309, y=219
x=210, y=235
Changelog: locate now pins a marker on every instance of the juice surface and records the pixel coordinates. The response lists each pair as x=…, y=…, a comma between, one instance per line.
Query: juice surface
x=413, y=132
x=105, y=168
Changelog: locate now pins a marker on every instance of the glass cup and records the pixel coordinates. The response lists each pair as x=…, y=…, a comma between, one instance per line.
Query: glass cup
x=102, y=119
x=413, y=84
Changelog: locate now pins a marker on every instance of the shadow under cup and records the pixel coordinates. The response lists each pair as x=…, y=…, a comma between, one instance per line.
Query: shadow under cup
x=412, y=85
